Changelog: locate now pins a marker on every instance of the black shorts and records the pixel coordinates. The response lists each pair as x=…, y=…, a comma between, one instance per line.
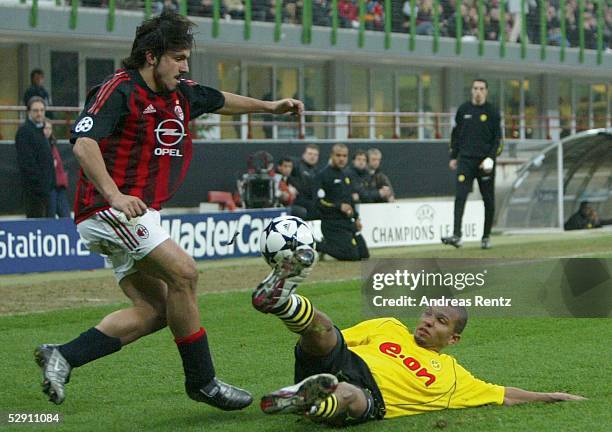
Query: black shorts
x=347, y=367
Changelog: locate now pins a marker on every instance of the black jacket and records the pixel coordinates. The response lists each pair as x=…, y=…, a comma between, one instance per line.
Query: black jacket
x=35, y=159
x=333, y=188
x=303, y=179
x=477, y=133
x=35, y=90
x=363, y=185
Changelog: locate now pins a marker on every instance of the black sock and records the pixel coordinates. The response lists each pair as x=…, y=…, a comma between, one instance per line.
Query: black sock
x=89, y=346
x=197, y=361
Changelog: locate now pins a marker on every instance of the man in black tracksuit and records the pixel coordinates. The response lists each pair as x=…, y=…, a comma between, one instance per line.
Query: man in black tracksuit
x=474, y=140
x=340, y=223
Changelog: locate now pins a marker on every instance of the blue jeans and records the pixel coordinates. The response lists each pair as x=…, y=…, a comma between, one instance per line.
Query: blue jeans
x=58, y=203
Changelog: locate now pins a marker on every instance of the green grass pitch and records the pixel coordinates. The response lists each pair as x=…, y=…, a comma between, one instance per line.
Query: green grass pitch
x=140, y=388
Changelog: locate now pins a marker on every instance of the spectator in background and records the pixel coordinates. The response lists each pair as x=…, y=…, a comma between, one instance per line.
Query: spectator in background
x=514, y=9
x=320, y=17
x=58, y=199
x=35, y=160
x=406, y=10
x=166, y=5
x=348, y=13
x=234, y=9
x=37, y=79
x=375, y=15
x=202, y=8
x=585, y=218
x=364, y=190
x=285, y=193
x=303, y=179
x=381, y=181
x=424, y=18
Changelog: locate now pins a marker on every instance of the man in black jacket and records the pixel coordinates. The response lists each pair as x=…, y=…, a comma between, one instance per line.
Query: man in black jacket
x=474, y=147
x=303, y=179
x=364, y=187
x=37, y=79
x=340, y=223
x=35, y=160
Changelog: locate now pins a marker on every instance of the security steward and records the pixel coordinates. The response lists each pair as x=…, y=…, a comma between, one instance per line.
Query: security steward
x=340, y=223
x=475, y=143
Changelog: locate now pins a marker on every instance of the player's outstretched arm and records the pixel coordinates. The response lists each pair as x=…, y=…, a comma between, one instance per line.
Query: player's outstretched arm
x=236, y=104
x=87, y=152
x=514, y=396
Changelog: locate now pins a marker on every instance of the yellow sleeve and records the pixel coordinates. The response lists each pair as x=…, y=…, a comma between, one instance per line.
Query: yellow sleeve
x=472, y=392
x=361, y=333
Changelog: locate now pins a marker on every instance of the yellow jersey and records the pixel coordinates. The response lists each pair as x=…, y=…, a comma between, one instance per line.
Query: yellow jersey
x=411, y=379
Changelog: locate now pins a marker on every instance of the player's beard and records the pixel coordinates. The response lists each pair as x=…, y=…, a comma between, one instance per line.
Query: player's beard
x=159, y=82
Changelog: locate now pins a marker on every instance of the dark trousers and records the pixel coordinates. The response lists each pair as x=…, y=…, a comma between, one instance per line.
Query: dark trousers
x=35, y=205
x=58, y=203
x=467, y=170
x=341, y=240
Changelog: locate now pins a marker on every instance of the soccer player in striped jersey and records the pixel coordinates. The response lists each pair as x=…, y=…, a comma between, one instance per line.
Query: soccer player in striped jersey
x=378, y=368
x=134, y=146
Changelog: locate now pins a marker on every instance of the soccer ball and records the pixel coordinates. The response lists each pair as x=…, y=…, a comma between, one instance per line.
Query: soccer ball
x=282, y=237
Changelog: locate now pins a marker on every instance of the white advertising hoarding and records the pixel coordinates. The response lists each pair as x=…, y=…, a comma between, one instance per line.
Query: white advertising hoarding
x=415, y=223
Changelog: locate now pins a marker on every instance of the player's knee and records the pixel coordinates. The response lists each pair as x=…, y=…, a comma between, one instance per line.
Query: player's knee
x=184, y=277
x=351, y=399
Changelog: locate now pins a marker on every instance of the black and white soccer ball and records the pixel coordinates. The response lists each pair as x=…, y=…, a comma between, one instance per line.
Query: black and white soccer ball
x=283, y=236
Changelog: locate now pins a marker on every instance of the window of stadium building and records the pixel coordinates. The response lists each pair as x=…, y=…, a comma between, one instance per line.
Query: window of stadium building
x=565, y=108
x=9, y=89
x=259, y=85
x=431, y=103
x=418, y=94
x=96, y=71
x=65, y=78
x=383, y=101
x=287, y=86
x=408, y=101
x=315, y=99
x=272, y=82
x=228, y=74
x=582, y=106
x=360, y=101
x=599, y=104
x=511, y=108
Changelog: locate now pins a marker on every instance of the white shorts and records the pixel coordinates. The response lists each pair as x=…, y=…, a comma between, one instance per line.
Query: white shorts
x=122, y=241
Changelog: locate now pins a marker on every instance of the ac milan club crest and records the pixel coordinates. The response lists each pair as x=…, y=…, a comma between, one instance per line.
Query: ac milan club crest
x=179, y=112
x=142, y=231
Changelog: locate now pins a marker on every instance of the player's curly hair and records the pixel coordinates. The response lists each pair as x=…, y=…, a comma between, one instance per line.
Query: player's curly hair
x=166, y=32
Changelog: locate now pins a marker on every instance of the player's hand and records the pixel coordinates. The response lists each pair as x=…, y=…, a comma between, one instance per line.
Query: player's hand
x=288, y=105
x=347, y=209
x=452, y=164
x=557, y=397
x=131, y=206
x=358, y=224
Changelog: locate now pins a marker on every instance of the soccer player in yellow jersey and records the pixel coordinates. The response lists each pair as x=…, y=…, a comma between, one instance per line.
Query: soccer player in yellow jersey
x=378, y=368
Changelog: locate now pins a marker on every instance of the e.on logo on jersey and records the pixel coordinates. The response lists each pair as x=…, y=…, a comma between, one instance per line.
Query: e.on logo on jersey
x=394, y=350
x=169, y=133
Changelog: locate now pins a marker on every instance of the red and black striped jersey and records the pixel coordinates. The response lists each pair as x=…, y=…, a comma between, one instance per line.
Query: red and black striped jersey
x=143, y=136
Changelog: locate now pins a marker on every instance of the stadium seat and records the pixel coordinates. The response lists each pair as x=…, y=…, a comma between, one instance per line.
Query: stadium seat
x=224, y=199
